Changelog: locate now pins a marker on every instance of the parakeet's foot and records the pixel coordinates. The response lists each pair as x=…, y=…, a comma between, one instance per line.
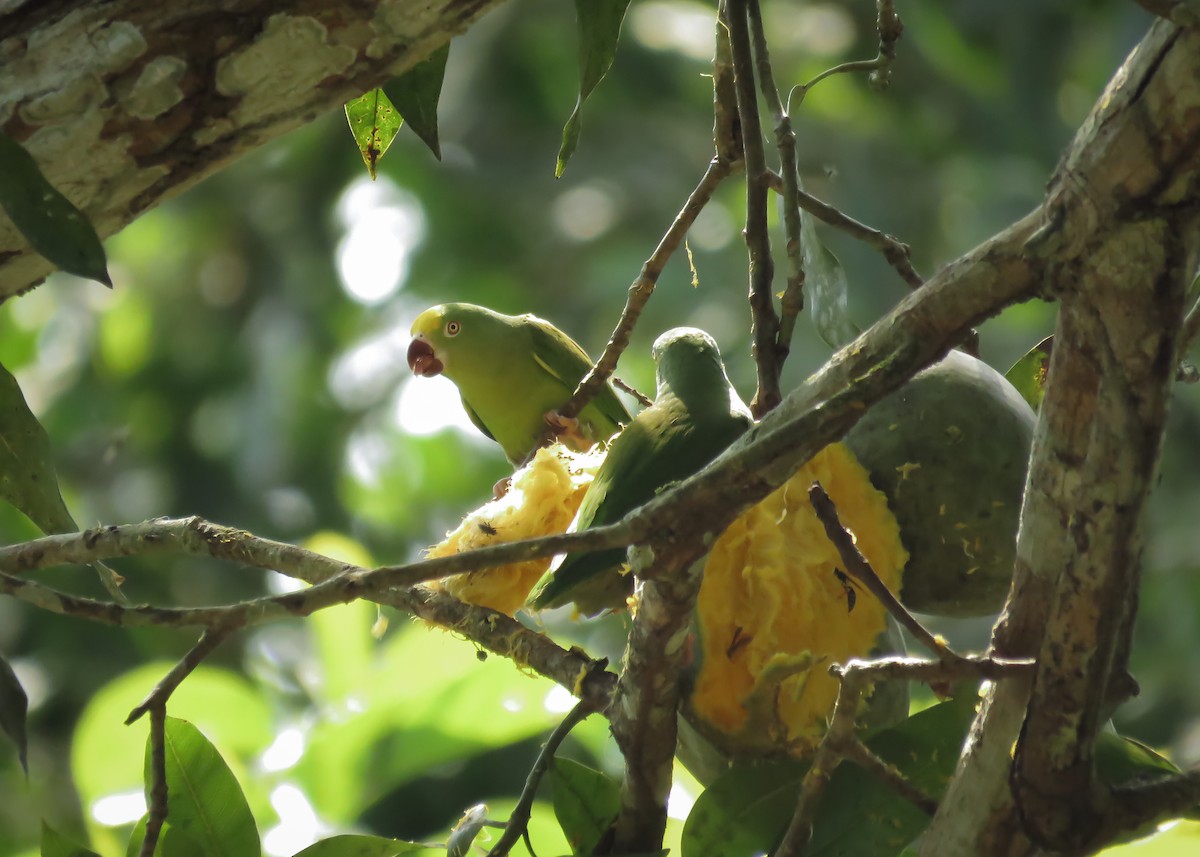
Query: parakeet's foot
x=501, y=487
x=567, y=430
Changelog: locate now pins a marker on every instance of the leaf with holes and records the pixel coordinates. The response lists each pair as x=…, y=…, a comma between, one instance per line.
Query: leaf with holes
x=204, y=800
x=51, y=224
x=1031, y=373
x=374, y=122
x=599, y=26
x=415, y=94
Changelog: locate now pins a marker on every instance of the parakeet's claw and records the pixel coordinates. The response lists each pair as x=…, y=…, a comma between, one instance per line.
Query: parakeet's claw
x=567, y=430
x=422, y=359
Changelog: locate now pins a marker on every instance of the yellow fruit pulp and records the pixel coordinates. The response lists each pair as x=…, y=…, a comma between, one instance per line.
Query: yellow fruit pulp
x=542, y=500
x=772, y=613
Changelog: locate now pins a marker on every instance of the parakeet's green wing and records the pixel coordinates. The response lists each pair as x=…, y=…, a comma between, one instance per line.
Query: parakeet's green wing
x=566, y=361
x=663, y=445
x=474, y=418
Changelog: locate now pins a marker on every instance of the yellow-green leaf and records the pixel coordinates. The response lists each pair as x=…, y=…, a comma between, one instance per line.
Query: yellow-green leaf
x=374, y=122
x=204, y=800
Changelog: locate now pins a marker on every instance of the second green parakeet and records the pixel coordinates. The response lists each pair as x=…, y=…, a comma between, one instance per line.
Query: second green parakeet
x=511, y=371
x=696, y=414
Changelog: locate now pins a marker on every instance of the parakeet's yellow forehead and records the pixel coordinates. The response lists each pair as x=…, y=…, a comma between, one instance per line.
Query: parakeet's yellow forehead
x=429, y=321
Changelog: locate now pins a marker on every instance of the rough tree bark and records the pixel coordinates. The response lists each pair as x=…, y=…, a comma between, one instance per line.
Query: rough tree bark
x=126, y=103
x=1123, y=235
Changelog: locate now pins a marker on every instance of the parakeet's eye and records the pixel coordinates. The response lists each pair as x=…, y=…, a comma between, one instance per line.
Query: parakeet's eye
x=452, y=328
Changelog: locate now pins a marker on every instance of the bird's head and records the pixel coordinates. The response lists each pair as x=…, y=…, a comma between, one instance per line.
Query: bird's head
x=431, y=331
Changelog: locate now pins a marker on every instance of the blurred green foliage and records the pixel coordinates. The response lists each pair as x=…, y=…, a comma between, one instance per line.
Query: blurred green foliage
x=249, y=368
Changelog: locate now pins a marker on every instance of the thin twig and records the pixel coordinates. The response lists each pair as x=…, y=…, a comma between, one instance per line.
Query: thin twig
x=841, y=742
x=518, y=822
x=858, y=568
x=895, y=253
x=641, y=288
x=645, y=400
x=764, y=324
x=157, y=698
x=854, y=750
x=792, y=301
x=157, y=814
x=499, y=634
x=347, y=584
x=902, y=668
x=727, y=129
x=889, y=27
x=825, y=760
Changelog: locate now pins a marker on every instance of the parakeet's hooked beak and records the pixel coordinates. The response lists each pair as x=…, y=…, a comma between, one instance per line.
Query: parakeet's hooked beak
x=422, y=359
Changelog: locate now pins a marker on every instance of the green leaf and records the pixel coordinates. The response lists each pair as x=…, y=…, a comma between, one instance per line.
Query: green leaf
x=1120, y=759
x=50, y=223
x=1030, y=374
x=585, y=802
x=204, y=799
x=27, y=476
x=358, y=845
x=172, y=842
x=860, y=815
x=599, y=25
x=54, y=844
x=106, y=758
x=428, y=687
x=415, y=95
x=14, y=705
x=374, y=122
x=827, y=287
x=746, y=810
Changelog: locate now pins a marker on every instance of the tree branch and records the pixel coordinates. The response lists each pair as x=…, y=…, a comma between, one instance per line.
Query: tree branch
x=643, y=713
x=162, y=95
x=518, y=821
x=785, y=141
x=1094, y=451
x=764, y=324
x=500, y=634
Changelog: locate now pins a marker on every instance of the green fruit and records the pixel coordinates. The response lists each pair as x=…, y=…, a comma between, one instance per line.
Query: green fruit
x=950, y=449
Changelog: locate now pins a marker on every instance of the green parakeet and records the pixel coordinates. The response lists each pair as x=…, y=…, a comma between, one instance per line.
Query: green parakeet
x=511, y=371
x=696, y=414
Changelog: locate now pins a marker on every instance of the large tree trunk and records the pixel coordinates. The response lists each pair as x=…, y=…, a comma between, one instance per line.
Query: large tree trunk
x=126, y=103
